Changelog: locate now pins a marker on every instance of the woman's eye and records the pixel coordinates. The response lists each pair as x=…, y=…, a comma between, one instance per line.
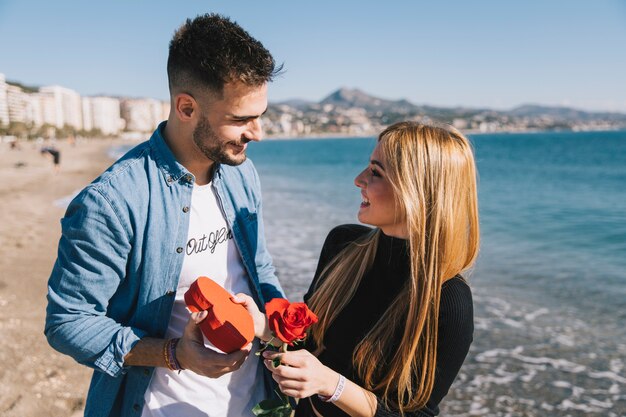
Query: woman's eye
x=375, y=173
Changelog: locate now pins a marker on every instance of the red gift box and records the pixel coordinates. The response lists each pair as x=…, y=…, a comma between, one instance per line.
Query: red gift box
x=228, y=325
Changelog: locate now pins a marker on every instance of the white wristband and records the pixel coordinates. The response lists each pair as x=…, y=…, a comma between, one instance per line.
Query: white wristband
x=338, y=390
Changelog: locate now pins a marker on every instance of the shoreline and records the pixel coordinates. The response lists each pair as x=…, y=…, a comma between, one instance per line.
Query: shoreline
x=39, y=380
x=469, y=132
x=120, y=141
x=525, y=350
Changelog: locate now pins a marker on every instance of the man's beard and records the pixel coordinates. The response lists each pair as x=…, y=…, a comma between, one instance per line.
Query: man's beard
x=212, y=147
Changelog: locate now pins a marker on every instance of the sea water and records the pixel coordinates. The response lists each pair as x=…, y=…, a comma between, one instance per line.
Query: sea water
x=550, y=282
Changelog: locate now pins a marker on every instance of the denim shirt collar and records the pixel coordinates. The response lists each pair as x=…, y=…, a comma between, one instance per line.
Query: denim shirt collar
x=170, y=168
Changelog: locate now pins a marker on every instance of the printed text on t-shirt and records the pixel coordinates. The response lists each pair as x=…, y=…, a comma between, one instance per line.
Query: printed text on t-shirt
x=209, y=242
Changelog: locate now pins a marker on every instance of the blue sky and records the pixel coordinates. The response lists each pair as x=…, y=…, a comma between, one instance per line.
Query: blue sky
x=496, y=54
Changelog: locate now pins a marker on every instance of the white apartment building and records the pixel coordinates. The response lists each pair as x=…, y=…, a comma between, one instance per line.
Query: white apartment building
x=40, y=109
x=32, y=109
x=59, y=106
x=165, y=109
x=48, y=107
x=17, y=101
x=143, y=115
x=105, y=114
x=87, y=114
x=68, y=106
x=4, y=104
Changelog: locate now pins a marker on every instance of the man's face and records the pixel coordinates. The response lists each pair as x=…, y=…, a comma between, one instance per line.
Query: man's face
x=226, y=124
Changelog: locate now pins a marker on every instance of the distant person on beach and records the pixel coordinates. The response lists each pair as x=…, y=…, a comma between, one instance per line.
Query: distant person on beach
x=135, y=239
x=56, y=156
x=395, y=314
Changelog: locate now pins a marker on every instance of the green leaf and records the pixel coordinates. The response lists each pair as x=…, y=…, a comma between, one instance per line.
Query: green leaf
x=283, y=411
x=272, y=408
x=276, y=362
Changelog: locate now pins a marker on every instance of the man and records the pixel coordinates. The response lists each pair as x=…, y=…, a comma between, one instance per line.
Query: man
x=56, y=156
x=182, y=205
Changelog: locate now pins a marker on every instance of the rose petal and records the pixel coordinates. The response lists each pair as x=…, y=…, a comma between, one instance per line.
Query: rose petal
x=289, y=321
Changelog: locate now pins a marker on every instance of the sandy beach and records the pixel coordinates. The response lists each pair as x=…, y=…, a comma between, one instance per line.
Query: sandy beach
x=35, y=380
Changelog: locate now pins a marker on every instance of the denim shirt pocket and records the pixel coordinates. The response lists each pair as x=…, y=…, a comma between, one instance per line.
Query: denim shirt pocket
x=248, y=222
x=251, y=221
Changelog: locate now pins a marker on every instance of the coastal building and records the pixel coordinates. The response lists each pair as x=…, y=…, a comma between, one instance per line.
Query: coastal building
x=4, y=105
x=165, y=109
x=358, y=121
x=68, y=106
x=17, y=101
x=34, y=110
x=30, y=108
x=41, y=109
x=104, y=114
x=87, y=115
x=285, y=123
x=460, y=123
x=143, y=115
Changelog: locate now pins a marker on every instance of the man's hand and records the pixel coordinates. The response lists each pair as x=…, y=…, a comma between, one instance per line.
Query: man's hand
x=194, y=356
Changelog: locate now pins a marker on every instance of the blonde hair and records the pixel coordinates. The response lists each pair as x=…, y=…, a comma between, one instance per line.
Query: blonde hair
x=433, y=175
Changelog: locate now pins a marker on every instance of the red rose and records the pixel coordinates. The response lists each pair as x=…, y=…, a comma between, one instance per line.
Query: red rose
x=289, y=321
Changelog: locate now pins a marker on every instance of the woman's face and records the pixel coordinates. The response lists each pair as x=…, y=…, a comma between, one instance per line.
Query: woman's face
x=379, y=207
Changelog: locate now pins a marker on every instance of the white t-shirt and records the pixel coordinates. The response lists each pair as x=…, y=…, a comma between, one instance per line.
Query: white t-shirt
x=211, y=252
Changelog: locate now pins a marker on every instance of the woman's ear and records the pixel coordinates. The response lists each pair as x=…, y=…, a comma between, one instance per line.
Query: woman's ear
x=185, y=106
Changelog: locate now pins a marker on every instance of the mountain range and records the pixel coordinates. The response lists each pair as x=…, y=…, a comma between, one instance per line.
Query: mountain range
x=356, y=98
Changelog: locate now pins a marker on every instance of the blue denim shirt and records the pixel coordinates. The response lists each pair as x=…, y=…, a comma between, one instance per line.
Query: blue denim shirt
x=119, y=260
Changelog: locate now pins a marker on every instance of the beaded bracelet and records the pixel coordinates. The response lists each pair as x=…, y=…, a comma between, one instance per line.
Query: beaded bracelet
x=169, y=353
x=338, y=390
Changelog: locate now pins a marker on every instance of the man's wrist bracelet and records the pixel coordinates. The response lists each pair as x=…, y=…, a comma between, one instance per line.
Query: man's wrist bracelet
x=341, y=384
x=169, y=353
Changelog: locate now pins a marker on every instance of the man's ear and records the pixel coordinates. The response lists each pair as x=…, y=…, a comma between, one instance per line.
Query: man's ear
x=185, y=106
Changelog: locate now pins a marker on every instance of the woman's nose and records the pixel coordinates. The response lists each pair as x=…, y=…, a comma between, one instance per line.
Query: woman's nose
x=358, y=181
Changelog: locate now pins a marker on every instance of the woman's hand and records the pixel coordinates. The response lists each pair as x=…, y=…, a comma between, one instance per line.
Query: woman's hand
x=261, y=326
x=301, y=374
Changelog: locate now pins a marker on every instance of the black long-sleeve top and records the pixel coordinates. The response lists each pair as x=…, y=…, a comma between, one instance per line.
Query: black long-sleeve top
x=378, y=288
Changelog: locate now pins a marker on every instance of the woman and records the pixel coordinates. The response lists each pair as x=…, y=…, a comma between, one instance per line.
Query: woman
x=395, y=315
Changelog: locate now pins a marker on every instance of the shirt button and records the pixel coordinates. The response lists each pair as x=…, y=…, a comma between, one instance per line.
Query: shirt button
x=146, y=372
x=170, y=293
x=136, y=407
x=169, y=179
x=179, y=250
x=185, y=209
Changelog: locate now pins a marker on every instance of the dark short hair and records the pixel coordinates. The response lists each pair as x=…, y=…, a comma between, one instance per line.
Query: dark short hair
x=211, y=50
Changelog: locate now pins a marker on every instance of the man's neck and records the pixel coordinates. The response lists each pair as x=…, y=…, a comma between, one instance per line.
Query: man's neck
x=188, y=155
